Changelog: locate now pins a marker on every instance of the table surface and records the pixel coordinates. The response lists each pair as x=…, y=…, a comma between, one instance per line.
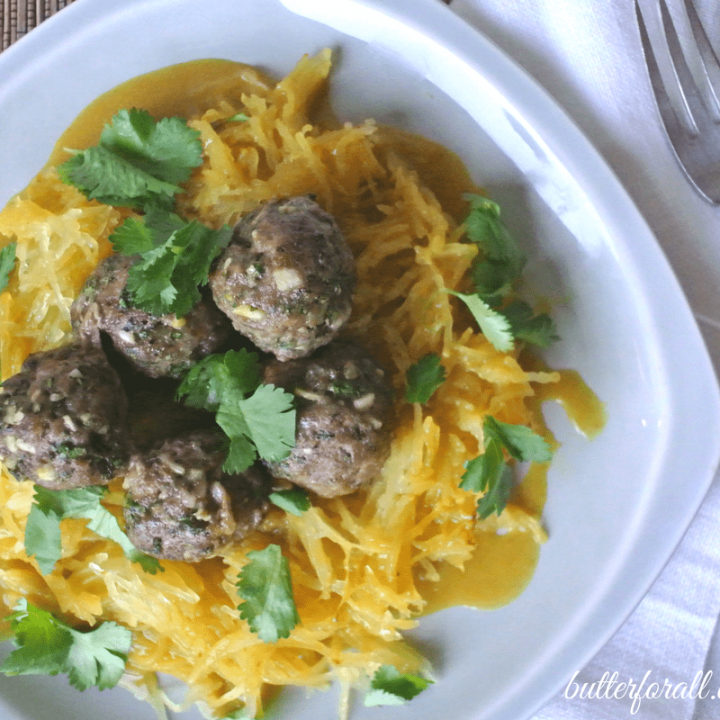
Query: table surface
x=18, y=17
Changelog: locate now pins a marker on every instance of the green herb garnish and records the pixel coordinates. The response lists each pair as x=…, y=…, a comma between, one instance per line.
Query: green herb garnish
x=175, y=259
x=265, y=586
x=294, y=500
x=391, y=687
x=47, y=646
x=502, y=260
x=7, y=263
x=42, y=532
x=525, y=325
x=493, y=274
x=423, y=378
x=490, y=474
x=493, y=324
x=258, y=419
x=138, y=163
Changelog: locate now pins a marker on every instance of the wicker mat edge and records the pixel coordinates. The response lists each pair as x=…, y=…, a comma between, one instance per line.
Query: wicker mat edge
x=18, y=17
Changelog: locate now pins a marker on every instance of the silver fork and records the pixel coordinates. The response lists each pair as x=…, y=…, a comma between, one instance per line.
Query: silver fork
x=685, y=76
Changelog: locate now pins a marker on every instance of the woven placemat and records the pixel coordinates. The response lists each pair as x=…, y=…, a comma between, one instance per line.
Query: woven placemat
x=18, y=17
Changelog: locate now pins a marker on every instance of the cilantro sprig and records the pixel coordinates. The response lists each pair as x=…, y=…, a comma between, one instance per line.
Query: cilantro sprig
x=47, y=646
x=391, y=687
x=493, y=274
x=138, y=162
x=502, y=260
x=265, y=586
x=490, y=473
x=257, y=419
x=42, y=532
x=423, y=378
x=175, y=259
x=141, y=163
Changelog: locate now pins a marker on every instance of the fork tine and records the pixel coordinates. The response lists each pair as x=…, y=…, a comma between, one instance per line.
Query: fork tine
x=650, y=14
x=692, y=129
x=698, y=53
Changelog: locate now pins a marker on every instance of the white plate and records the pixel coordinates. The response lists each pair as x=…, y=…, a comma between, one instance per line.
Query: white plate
x=618, y=505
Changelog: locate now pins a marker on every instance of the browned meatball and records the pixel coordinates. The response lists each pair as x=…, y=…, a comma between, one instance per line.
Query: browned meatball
x=344, y=409
x=156, y=345
x=287, y=277
x=180, y=505
x=63, y=419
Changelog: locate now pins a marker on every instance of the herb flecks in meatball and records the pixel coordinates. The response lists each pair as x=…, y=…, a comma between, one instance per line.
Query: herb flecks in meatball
x=180, y=505
x=156, y=345
x=63, y=419
x=287, y=277
x=344, y=419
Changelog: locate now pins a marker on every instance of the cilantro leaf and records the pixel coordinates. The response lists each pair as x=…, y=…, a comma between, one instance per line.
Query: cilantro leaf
x=137, y=163
x=490, y=474
x=265, y=586
x=40, y=640
x=216, y=377
x=492, y=280
x=485, y=228
x=257, y=418
x=294, y=500
x=167, y=148
x=42, y=532
x=520, y=441
x=390, y=687
x=98, y=657
x=104, y=176
x=270, y=417
x=7, y=263
x=266, y=418
x=175, y=259
x=537, y=330
x=494, y=272
x=493, y=324
x=134, y=237
x=47, y=646
x=241, y=452
x=424, y=378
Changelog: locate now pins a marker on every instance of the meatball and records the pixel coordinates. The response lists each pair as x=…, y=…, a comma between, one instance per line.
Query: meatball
x=344, y=413
x=63, y=419
x=156, y=345
x=180, y=505
x=287, y=277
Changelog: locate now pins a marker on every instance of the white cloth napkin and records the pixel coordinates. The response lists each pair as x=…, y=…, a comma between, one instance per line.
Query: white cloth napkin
x=587, y=55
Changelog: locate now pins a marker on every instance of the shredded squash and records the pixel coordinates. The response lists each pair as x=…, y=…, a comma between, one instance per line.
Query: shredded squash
x=358, y=563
